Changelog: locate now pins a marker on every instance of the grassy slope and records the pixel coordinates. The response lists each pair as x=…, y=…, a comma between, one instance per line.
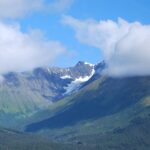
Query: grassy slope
x=101, y=107
x=11, y=140
x=19, y=102
x=135, y=136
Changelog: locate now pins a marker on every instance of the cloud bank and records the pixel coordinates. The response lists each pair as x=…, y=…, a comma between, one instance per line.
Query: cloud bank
x=24, y=51
x=125, y=46
x=19, y=8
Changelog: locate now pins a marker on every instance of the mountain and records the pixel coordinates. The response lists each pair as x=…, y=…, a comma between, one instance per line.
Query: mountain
x=23, y=94
x=102, y=98
x=90, y=110
x=98, y=72
x=115, y=111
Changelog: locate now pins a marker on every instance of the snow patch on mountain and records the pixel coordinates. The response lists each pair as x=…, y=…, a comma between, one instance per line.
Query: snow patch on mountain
x=76, y=84
x=86, y=63
x=66, y=77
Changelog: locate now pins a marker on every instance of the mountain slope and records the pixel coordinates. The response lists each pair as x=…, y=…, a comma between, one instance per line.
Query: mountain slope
x=104, y=113
x=135, y=136
x=109, y=113
x=11, y=140
x=109, y=97
x=23, y=94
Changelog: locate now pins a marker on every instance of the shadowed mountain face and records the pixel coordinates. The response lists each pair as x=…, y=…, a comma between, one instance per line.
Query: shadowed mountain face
x=103, y=97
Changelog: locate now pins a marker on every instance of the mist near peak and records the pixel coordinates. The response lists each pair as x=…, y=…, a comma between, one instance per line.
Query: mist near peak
x=125, y=46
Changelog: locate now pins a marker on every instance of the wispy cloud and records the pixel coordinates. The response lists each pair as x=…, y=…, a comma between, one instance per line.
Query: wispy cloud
x=24, y=51
x=60, y=5
x=125, y=46
x=19, y=8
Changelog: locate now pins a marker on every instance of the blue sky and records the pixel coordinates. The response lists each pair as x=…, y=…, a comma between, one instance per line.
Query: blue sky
x=51, y=24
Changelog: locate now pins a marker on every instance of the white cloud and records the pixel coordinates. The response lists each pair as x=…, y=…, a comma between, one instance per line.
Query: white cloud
x=125, y=46
x=19, y=8
x=60, y=5
x=23, y=51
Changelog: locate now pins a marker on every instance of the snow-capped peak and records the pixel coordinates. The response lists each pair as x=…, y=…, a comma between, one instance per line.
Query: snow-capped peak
x=86, y=63
x=76, y=83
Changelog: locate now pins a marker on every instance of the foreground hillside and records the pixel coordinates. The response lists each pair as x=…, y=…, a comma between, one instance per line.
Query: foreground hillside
x=11, y=140
x=136, y=136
